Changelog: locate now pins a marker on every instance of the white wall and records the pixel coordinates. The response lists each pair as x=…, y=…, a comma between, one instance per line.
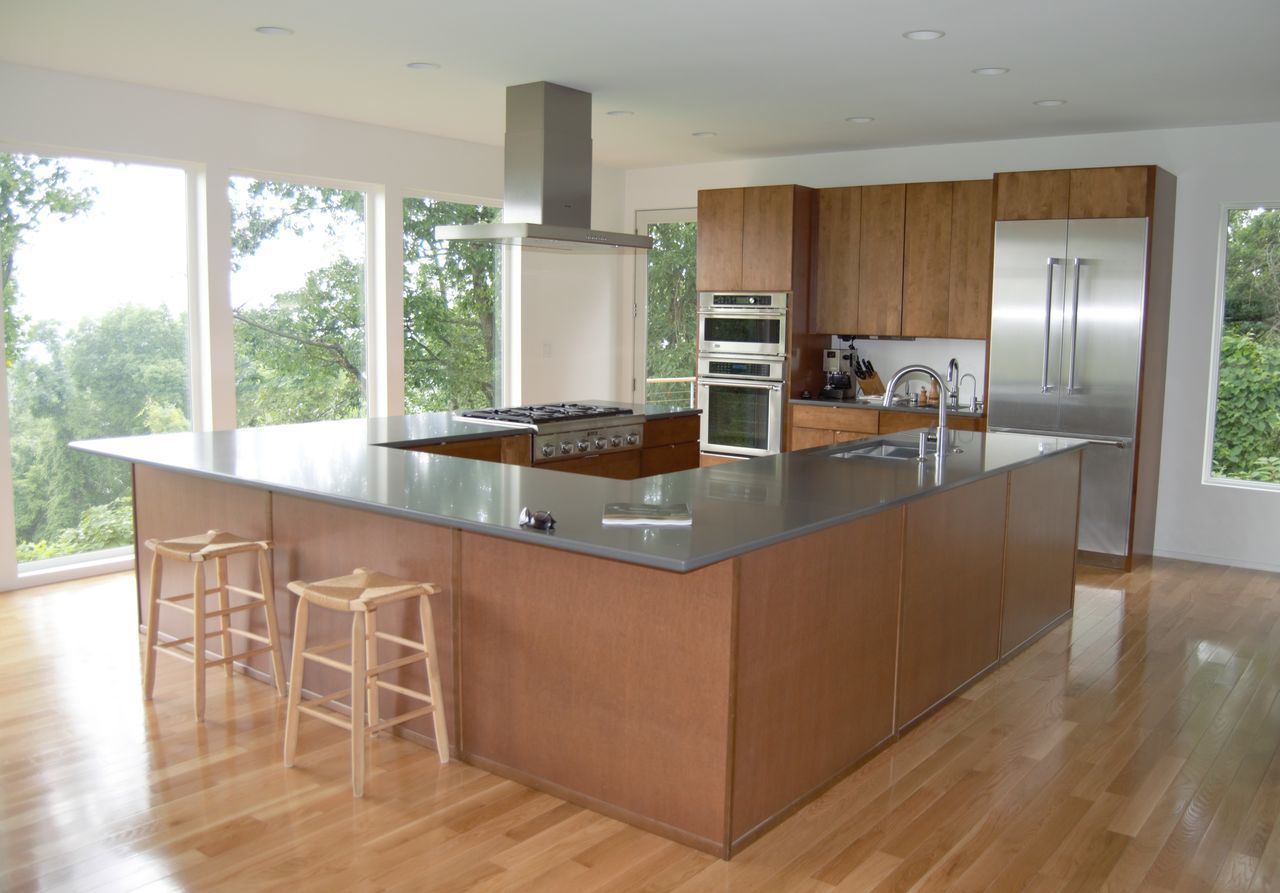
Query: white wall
x=1214, y=165
x=568, y=299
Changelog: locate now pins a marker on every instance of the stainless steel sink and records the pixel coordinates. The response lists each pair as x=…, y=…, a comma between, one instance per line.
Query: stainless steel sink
x=882, y=449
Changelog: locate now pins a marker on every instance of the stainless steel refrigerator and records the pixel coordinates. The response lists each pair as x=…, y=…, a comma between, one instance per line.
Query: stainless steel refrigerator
x=1066, y=350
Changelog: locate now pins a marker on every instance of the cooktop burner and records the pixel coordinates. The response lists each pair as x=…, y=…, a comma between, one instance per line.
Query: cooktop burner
x=543, y=412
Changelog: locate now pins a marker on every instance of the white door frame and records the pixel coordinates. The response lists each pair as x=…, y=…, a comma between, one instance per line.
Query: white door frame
x=640, y=299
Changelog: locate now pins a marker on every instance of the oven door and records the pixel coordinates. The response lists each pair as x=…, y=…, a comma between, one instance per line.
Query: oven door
x=740, y=417
x=743, y=332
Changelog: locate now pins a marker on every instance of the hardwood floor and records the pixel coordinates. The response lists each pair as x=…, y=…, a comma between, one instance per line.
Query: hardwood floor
x=1135, y=747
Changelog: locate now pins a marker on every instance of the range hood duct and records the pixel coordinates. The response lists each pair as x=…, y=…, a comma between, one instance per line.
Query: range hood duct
x=547, y=186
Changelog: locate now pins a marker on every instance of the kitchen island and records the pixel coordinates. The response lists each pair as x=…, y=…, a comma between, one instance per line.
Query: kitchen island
x=699, y=682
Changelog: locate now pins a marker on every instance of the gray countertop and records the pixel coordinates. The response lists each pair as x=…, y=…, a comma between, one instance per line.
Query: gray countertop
x=874, y=403
x=737, y=506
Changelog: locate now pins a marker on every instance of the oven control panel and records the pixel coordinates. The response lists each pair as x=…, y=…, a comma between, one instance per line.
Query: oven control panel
x=587, y=442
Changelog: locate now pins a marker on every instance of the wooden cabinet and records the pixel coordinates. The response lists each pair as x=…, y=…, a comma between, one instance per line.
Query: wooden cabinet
x=880, y=252
x=824, y=425
x=511, y=449
x=623, y=465
x=670, y=444
x=753, y=239
x=892, y=421
x=836, y=257
x=906, y=259
x=1081, y=194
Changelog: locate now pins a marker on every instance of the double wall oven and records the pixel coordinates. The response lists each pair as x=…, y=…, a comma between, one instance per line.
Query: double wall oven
x=742, y=346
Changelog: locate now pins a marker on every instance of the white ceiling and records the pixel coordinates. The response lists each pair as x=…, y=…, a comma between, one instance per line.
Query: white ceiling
x=771, y=78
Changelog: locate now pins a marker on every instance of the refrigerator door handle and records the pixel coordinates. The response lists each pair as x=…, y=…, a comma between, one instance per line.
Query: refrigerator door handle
x=1075, y=326
x=1045, y=387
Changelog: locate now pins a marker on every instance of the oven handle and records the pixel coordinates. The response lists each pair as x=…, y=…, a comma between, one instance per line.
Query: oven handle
x=773, y=384
x=765, y=312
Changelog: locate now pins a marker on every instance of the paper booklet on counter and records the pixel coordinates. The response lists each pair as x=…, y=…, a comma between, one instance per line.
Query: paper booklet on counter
x=646, y=514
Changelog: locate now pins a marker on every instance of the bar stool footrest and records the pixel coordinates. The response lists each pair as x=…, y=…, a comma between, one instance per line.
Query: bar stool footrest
x=396, y=720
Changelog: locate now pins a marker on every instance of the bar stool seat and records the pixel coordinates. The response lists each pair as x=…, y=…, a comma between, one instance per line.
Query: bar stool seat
x=361, y=594
x=215, y=546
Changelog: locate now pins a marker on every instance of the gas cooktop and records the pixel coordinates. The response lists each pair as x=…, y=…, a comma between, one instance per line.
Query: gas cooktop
x=541, y=413
x=565, y=430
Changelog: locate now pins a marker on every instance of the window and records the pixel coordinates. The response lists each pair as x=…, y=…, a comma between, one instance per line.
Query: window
x=452, y=310
x=667, y=315
x=1246, y=423
x=94, y=263
x=298, y=298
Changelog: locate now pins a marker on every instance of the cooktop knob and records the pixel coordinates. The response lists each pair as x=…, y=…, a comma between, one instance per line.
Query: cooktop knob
x=583, y=446
x=548, y=449
x=566, y=447
x=633, y=439
x=601, y=443
x=616, y=440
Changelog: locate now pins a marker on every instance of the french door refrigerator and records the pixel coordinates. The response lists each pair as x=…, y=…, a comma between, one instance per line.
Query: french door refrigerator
x=1067, y=310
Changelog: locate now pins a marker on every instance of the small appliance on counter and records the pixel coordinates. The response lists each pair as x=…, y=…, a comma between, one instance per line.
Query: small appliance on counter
x=837, y=367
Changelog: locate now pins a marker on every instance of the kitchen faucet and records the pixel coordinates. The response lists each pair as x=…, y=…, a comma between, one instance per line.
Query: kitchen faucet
x=973, y=399
x=942, y=401
x=953, y=374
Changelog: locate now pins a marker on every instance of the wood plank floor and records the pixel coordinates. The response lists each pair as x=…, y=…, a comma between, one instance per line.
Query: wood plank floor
x=1136, y=747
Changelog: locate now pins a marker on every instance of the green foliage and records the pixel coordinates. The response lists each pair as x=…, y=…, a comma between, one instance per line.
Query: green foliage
x=101, y=527
x=451, y=309
x=1247, y=426
x=1253, y=270
x=262, y=209
x=672, y=335
x=31, y=189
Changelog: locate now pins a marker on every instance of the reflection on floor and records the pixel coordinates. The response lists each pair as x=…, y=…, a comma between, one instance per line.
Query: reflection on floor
x=1133, y=748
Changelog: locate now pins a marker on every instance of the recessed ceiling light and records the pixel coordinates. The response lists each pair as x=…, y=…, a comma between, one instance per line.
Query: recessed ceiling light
x=423, y=66
x=860, y=119
x=990, y=72
x=274, y=30
x=620, y=113
x=703, y=134
x=926, y=34
x=1049, y=103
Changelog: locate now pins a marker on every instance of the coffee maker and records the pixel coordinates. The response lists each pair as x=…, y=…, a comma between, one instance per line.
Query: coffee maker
x=837, y=365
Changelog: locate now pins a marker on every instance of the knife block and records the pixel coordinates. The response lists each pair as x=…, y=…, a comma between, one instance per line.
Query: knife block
x=871, y=385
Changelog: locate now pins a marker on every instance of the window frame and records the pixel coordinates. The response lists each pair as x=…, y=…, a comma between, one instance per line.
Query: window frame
x=1215, y=354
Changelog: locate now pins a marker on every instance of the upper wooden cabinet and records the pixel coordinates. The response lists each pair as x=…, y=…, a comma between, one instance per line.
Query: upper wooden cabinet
x=880, y=248
x=836, y=255
x=927, y=262
x=753, y=238
x=1081, y=194
x=969, y=298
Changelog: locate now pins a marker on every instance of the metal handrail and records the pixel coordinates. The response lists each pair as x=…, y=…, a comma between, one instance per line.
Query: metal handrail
x=689, y=379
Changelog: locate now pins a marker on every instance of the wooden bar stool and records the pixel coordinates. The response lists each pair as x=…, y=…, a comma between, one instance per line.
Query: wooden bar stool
x=216, y=546
x=361, y=594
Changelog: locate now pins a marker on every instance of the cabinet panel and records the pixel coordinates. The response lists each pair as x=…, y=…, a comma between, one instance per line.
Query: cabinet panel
x=623, y=465
x=1032, y=195
x=488, y=449
x=880, y=260
x=720, y=239
x=803, y=438
x=679, y=429
x=768, y=214
x=671, y=457
x=951, y=607
x=1039, y=573
x=1110, y=192
x=969, y=305
x=927, y=260
x=835, y=418
x=837, y=255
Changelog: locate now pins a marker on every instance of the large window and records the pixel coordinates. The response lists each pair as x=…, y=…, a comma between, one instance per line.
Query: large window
x=298, y=297
x=452, y=310
x=667, y=320
x=1246, y=430
x=94, y=265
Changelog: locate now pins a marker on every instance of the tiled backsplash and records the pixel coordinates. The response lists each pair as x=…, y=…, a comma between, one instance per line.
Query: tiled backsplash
x=889, y=356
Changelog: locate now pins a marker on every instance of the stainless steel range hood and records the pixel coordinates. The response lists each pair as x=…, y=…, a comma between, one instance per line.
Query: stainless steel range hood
x=547, y=187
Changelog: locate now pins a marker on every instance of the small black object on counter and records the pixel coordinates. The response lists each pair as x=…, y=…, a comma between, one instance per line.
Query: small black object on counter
x=539, y=520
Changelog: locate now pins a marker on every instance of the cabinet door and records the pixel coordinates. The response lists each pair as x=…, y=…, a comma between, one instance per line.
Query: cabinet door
x=1032, y=195
x=768, y=219
x=803, y=438
x=720, y=239
x=836, y=261
x=1098, y=192
x=671, y=457
x=676, y=429
x=880, y=260
x=927, y=263
x=969, y=306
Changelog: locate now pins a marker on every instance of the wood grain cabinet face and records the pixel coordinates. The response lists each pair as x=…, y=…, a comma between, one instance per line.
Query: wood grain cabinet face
x=1032, y=195
x=768, y=214
x=1099, y=192
x=926, y=284
x=835, y=274
x=969, y=298
x=720, y=239
x=882, y=221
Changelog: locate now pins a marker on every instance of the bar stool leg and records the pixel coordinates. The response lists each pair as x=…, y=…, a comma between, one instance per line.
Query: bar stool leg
x=197, y=638
x=153, y=621
x=295, y=683
x=433, y=678
x=267, y=585
x=371, y=661
x=359, y=686
x=224, y=604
